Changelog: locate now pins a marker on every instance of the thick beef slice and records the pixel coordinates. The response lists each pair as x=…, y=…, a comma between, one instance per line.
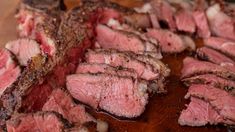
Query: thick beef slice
x=184, y=21
x=24, y=49
x=121, y=96
x=123, y=41
x=192, y=67
x=214, y=56
x=212, y=80
x=224, y=45
x=220, y=100
x=105, y=68
x=116, y=59
x=220, y=24
x=201, y=22
x=9, y=71
x=200, y=113
x=41, y=121
x=168, y=41
x=61, y=102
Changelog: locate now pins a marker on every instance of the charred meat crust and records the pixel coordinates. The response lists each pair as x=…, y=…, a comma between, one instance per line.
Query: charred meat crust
x=44, y=5
x=42, y=65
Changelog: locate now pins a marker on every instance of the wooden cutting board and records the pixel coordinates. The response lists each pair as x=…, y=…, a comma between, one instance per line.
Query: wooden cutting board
x=161, y=113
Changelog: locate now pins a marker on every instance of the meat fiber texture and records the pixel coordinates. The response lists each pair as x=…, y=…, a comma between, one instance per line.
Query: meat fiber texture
x=202, y=25
x=146, y=67
x=169, y=41
x=120, y=96
x=124, y=41
x=220, y=23
x=9, y=71
x=214, y=56
x=200, y=113
x=24, y=49
x=226, y=46
x=211, y=80
x=220, y=100
x=105, y=68
x=192, y=67
x=40, y=121
x=61, y=102
x=184, y=21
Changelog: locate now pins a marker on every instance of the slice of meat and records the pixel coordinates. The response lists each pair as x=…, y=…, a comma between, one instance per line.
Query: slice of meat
x=220, y=24
x=105, y=68
x=200, y=113
x=212, y=80
x=164, y=12
x=214, y=56
x=9, y=71
x=61, y=102
x=124, y=41
x=201, y=22
x=40, y=121
x=220, y=100
x=116, y=59
x=168, y=41
x=193, y=67
x=184, y=21
x=224, y=45
x=24, y=49
x=121, y=96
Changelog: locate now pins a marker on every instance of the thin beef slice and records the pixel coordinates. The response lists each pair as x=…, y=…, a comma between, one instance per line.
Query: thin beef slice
x=220, y=100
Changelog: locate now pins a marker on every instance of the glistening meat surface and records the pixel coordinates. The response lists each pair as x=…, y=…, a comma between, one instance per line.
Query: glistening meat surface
x=121, y=96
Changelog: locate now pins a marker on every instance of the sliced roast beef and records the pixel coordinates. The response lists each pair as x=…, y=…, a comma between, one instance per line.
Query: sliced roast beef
x=224, y=45
x=9, y=71
x=169, y=42
x=61, y=102
x=164, y=12
x=41, y=121
x=212, y=80
x=200, y=113
x=192, y=67
x=121, y=96
x=124, y=41
x=220, y=100
x=105, y=68
x=24, y=49
x=116, y=59
x=184, y=21
x=146, y=67
x=214, y=56
x=201, y=22
x=220, y=24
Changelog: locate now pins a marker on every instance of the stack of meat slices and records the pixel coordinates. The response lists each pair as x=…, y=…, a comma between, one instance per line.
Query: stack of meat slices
x=122, y=69
x=211, y=81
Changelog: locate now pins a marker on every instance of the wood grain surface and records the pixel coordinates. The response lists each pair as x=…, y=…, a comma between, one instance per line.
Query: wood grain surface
x=161, y=113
